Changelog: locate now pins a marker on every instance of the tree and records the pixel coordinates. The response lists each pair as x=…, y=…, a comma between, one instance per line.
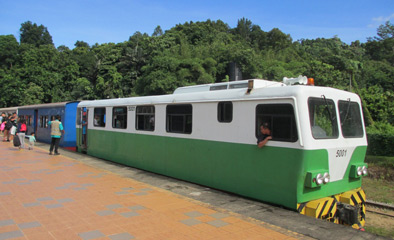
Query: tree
x=385, y=31
x=33, y=34
x=157, y=32
x=8, y=51
x=244, y=29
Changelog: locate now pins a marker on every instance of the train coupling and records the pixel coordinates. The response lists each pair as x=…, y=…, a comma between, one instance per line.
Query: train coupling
x=348, y=214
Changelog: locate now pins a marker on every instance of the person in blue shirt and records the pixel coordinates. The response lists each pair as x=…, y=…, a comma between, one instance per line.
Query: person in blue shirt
x=56, y=133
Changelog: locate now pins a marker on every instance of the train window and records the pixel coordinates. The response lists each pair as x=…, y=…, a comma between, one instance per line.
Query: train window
x=179, y=118
x=323, y=118
x=79, y=120
x=350, y=115
x=281, y=119
x=43, y=121
x=28, y=120
x=145, y=118
x=225, y=112
x=99, y=117
x=119, y=117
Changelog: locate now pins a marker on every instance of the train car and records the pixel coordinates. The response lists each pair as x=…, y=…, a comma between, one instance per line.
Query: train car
x=37, y=117
x=207, y=134
x=9, y=110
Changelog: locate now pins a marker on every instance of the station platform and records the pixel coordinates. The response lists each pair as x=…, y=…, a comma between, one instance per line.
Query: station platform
x=58, y=197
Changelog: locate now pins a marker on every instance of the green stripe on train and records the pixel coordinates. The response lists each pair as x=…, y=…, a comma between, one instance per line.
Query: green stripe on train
x=270, y=174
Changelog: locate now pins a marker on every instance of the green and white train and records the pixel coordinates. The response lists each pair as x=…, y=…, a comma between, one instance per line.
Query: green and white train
x=207, y=134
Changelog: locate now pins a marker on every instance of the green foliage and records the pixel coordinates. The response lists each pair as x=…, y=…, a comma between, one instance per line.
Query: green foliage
x=9, y=48
x=33, y=34
x=380, y=139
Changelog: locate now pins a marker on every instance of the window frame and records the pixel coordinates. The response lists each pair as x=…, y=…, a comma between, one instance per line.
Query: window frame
x=266, y=116
x=148, y=126
x=222, y=111
x=360, y=123
x=123, y=122
x=334, y=120
x=170, y=118
x=102, y=117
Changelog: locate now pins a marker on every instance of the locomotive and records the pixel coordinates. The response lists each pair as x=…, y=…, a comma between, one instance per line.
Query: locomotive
x=206, y=134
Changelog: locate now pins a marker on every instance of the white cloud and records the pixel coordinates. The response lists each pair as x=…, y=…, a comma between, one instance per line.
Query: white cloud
x=380, y=20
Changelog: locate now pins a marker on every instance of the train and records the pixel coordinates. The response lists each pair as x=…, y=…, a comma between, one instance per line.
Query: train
x=206, y=134
x=38, y=115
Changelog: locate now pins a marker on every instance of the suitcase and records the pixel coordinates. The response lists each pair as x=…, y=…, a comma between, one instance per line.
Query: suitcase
x=17, y=142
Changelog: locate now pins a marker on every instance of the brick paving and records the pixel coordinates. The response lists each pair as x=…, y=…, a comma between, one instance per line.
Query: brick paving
x=56, y=197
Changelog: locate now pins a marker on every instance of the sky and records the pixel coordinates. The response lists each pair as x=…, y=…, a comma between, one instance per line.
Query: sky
x=105, y=21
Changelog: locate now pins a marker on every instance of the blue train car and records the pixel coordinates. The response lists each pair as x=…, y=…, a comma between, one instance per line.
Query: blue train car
x=38, y=116
x=9, y=110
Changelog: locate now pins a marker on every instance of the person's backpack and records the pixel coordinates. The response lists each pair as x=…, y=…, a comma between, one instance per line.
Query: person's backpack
x=23, y=128
x=8, y=125
x=16, y=141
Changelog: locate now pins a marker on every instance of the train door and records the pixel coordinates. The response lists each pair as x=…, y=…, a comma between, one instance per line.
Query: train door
x=35, y=121
x=84, y=132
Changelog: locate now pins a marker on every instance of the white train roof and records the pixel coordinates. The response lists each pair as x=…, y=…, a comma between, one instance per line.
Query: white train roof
x=232, y=91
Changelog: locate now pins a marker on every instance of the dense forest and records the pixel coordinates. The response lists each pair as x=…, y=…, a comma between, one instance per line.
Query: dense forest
x=33, y=70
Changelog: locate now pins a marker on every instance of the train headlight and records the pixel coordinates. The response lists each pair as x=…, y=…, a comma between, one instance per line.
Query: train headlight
x=365, y=171
x=316, y=178
x=319, y=179
x=326, y=178
x=358, y=170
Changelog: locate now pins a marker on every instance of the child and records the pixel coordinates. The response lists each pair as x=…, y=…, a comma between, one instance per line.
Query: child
x=32, y=139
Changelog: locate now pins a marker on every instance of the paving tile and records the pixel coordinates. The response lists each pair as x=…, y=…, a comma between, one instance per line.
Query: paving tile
x=5, y=193
x=10, y=235
x=122, y=193
x=65, y=200
x=6, y=222
x=91, y=235
x=129, y=214
x=29, y=225
x=136, y=207
x=114, y=206
x=219, y=215
x=105, y=213
x=194, y=214
x=140, y=193
x=56, y=205
x=44, y=199
x=217, y=223
x=70, y=184
x=121, y=236
x=87, y=184
x=190, y=221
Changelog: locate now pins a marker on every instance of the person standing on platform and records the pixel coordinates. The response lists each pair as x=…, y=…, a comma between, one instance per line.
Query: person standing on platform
x=14, y=121
x=32, y=139
x=56, y=133
x=21, y=132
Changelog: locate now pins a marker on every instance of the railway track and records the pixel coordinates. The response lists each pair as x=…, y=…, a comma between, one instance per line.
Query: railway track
x=376, y=205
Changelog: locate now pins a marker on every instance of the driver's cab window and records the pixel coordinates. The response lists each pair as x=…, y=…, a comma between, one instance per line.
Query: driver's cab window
x=323, y=118
x=281, y=120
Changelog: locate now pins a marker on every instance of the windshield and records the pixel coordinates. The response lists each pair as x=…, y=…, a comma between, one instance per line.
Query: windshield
x=323, y=117
x=350, y=115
